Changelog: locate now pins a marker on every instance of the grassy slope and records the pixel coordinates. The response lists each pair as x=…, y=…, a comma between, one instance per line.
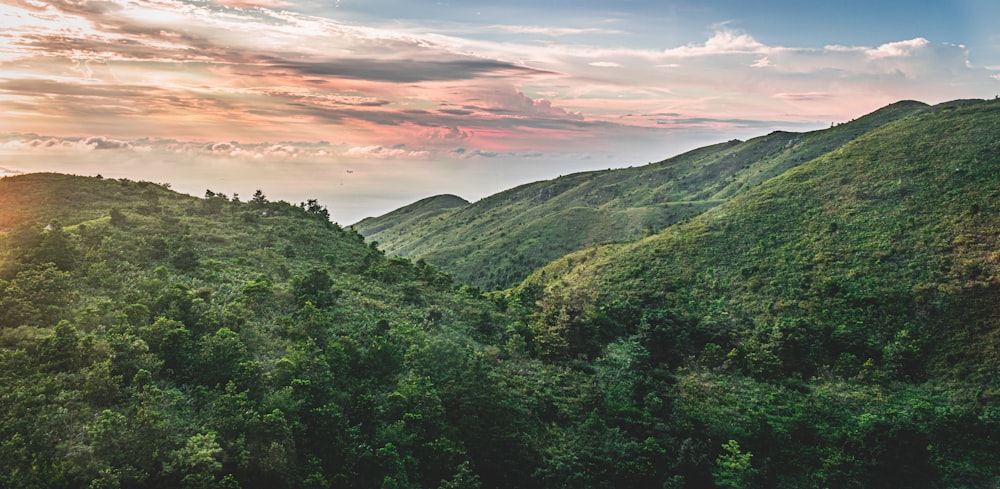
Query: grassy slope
x=404, y=220
x=893, y=234
x=871, y=274
x=499, y=240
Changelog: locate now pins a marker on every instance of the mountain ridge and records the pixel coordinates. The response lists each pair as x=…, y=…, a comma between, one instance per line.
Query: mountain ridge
x=941, y=190
x=834, y=326
x=534, y=223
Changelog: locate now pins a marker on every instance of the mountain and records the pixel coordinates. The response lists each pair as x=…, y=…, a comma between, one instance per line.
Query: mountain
x=153, y=339
x=873, y=265
x=404, y=220
x=832, y=326
x=497, y=241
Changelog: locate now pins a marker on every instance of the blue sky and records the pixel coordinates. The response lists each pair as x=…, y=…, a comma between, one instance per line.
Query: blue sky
x=422, y=97
x=804, y=23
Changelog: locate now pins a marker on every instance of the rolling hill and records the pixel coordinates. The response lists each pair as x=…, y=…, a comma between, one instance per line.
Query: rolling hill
x=499, y=240
x=153, y=339
x=875, y=264
x=831, y=326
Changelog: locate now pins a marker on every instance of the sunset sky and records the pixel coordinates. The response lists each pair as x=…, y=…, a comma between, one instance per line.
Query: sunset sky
x=368, y=105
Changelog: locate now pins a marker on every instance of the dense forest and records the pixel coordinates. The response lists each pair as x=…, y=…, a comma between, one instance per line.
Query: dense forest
x=833, y=326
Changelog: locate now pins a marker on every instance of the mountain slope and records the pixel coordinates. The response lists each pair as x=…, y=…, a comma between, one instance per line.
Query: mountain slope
x=404, y=220
x=499, y=240
x=832, y=327
x=905, y=210
x=875, y=264
x=152, y=339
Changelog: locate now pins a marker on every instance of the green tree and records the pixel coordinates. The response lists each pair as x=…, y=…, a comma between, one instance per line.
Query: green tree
x=259, y=200
x=196, y=464
x=35, y=296
x=117, y=218
x=315, y=287
x=55, y=247
x=732, y=467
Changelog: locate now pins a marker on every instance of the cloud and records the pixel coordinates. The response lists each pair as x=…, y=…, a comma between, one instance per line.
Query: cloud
x=804, y=96
x=100, y=142
x=382, y=152
x=254, y=3
x=405, y=70
x=899, y=49
x=554, y=31
x=221, y=147
x=516, y=103
x=311, y=97
x=722, y=42
x=245, y=70
x=43, y=87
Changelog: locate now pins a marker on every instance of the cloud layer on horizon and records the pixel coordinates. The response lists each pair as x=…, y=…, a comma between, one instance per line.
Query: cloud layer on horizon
x=248, y=71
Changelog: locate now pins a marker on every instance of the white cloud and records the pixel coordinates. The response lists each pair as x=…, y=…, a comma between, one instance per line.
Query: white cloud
x=899, y=49
x=722, y=42
x=381, y=152
x=605, y=64
x=554, y=31
x=803, y=96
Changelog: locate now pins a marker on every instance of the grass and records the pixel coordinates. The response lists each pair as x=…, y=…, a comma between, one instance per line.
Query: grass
x=535, y=223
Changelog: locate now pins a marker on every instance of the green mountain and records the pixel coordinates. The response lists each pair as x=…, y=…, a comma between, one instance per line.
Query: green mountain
x=152, y=339
x=404, y=220
x=496, y=242
x=857, y=290
x=833, y=326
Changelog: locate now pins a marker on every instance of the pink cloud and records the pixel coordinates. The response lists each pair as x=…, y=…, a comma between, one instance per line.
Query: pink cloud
x=254, y=3
x=195, y=71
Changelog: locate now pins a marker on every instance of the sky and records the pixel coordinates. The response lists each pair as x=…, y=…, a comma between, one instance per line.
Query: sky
x=368, y=105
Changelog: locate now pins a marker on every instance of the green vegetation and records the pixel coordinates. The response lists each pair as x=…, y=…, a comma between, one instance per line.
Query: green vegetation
x=498, y=241
x=837, y=321
x=833, y=326
x=403, y=220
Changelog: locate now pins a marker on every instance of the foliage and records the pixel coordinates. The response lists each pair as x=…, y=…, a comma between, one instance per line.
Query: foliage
x=497, y=241
x=831, y=327
x=868, y=268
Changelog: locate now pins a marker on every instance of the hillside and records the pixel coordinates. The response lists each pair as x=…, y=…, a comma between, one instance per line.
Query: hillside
x=834, y=326
x=859, y=288
x=402, y=221
x=498, y=241
x=152, y=339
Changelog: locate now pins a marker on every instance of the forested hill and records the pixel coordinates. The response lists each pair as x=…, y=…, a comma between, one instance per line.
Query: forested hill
x=852, y=297
x=406, y=219
x=496, y=242
x=152, y=339
x=835, y=326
